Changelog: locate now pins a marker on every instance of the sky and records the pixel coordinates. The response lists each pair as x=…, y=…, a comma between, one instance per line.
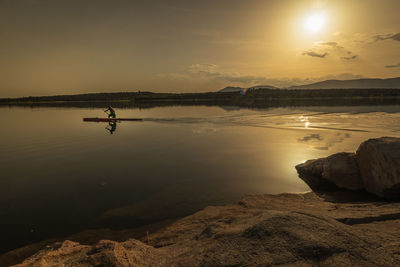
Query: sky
x=51, y=47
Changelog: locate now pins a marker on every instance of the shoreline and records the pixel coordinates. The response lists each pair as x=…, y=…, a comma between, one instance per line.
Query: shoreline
x=256, y=97
x=355, y=212
x=251, y=103
x=86, y=237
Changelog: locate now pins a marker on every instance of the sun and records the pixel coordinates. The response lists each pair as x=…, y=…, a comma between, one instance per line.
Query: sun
x=314, y=23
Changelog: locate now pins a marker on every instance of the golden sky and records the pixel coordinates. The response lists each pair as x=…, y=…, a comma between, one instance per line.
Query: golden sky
x=53, y=47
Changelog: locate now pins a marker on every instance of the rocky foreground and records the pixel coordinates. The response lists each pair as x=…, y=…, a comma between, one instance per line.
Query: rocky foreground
x=287, y=230
x=329, y=227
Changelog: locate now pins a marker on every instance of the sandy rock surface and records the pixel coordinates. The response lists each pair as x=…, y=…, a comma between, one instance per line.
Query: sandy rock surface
x=334, y=229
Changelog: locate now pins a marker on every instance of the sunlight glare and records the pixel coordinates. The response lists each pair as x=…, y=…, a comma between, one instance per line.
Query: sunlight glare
x=314, y=23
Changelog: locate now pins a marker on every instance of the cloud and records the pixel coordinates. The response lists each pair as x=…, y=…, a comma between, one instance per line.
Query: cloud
x=328, y=43
x=315, y=54
x=330, y=47
x=202, y=67
x=390, y=36
x=212, y=71
x=393, y=66
x=349, y=57
x=245, y=79
x=331, y=44
x=206, y=69
x=216, y=75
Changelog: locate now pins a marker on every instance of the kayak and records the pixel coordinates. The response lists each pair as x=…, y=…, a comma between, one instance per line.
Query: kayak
x=111, y=119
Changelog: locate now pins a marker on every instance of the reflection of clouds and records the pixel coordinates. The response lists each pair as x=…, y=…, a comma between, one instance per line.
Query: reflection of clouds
x=310, y=137
x=316, y=141
x=334, y=140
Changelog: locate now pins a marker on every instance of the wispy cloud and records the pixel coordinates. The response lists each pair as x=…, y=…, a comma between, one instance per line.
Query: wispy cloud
x=390, y=36
x=212, y=71
x=349, y=57
x=323, y=48
x=218, y=75
x=331, y=44
x=315, y=54
x=328, y=43
x=206, y=69
x=393, y=66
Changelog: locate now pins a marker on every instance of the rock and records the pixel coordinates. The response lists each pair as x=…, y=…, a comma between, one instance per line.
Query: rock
x=263, y=230
x=375, y=168
x=379, y=164
x=342, y=170
x=313, y=167
x=104, y=253
x=311, y=173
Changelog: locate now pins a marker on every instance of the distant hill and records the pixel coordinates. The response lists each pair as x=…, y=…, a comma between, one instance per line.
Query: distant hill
x=230, y=89
x=392, y=83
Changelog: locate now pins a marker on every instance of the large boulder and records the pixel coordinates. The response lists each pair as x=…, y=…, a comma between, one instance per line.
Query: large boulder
x=313, y=167
x=340, y=169
x=311, y=173
x=379, y=164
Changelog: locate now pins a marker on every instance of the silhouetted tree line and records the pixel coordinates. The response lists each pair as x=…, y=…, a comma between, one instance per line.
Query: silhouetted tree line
x=264, y=97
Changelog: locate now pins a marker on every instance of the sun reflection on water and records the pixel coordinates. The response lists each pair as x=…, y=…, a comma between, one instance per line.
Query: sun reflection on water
x=305, y=120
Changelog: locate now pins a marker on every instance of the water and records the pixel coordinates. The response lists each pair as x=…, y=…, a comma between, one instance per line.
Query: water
x=60, y=175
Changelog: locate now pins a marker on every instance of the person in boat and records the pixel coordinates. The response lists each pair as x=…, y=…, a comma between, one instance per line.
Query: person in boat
x=111, y=112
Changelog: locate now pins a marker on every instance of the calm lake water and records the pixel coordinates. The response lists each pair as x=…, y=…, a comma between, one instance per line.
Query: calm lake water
x=60, y=175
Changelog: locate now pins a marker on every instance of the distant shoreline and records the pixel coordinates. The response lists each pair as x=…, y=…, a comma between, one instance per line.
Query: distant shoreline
x=253, y=98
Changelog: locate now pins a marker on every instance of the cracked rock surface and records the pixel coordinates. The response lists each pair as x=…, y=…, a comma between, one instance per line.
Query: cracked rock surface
x=330, y=229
